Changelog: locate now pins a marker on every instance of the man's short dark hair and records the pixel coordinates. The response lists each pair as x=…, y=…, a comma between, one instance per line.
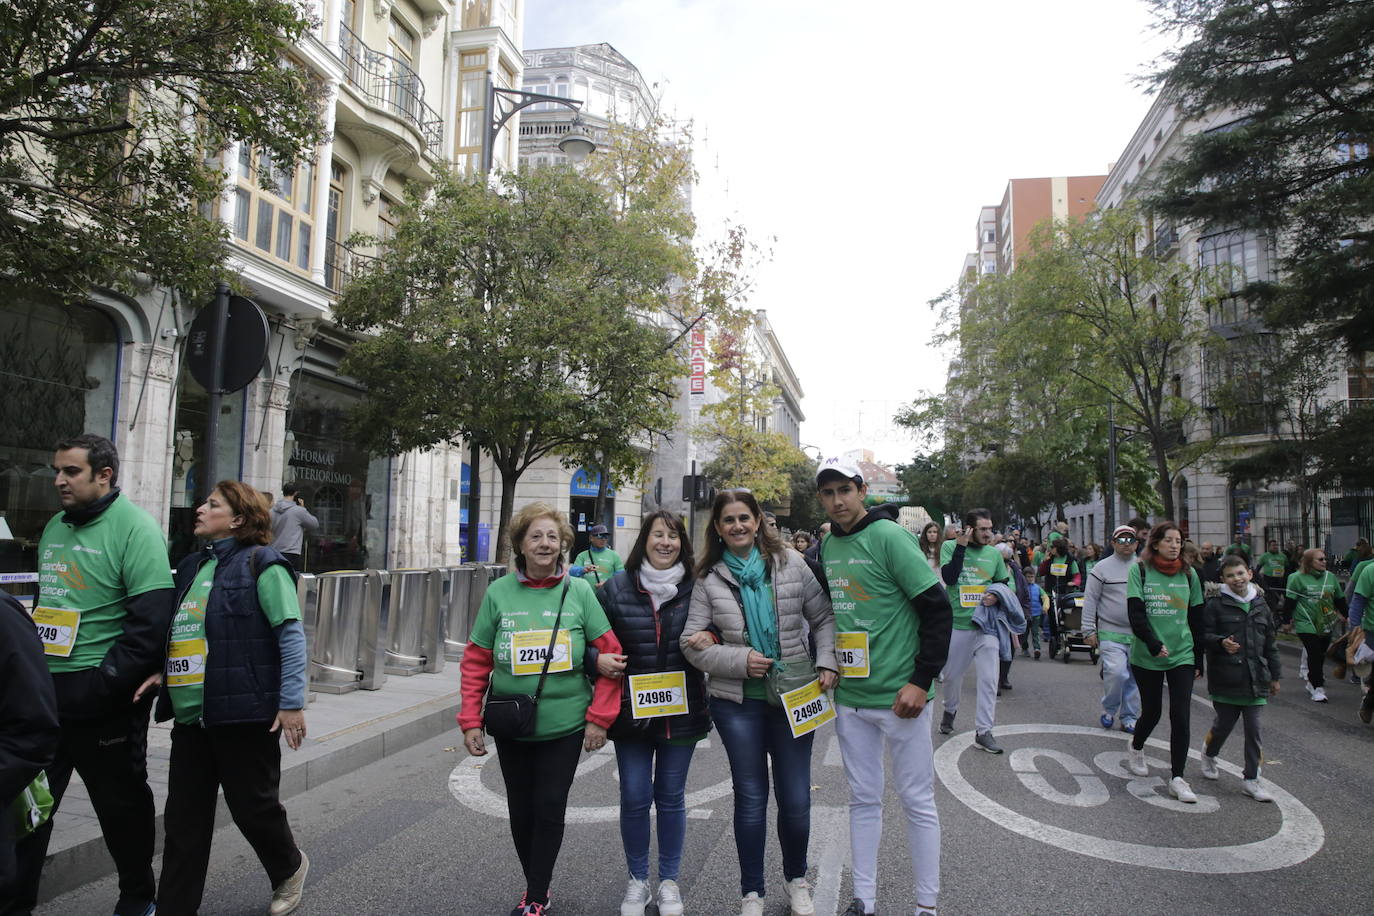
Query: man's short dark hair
x=290, y=489
x=1139, y=524
x=972, y=516
x=100, y=453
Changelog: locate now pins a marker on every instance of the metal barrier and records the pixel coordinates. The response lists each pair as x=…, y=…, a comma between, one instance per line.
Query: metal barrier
x=412, y=622
x=345, y=632
x=456, y=609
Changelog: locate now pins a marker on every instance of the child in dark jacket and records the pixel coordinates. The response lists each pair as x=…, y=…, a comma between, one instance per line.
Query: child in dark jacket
x=1239, y=636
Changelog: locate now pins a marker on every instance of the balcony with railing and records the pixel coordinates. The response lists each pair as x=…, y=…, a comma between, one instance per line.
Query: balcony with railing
x=389, y=83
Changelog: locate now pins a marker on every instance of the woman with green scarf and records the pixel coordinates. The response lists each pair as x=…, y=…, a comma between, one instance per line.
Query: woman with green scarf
x=753, y=606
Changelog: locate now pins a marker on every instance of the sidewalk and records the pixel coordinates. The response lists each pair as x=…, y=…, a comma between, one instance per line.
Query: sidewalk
x=345, y=732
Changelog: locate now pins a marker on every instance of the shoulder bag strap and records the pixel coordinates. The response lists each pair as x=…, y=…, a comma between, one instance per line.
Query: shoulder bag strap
x=553, y=638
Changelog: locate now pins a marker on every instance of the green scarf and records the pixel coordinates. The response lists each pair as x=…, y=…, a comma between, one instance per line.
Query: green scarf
x=759, y=617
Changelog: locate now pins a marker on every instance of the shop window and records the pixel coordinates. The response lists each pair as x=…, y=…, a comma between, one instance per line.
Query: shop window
x=341, y=484
x=59, y=374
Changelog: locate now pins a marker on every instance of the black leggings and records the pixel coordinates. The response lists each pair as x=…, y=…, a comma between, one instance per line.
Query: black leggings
x=1316, y=645
x=1151, y=684
x=538, y=776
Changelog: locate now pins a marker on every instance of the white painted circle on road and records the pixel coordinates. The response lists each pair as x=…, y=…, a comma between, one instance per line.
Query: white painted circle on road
x=1300, y=835
x=465, y=785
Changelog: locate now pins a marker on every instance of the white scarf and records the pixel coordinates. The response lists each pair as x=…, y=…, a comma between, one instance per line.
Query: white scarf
x=661, y=584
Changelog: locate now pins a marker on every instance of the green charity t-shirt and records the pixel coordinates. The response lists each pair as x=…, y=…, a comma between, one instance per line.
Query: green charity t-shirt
x=1314, y=598
x=188, y=650
x=512, y=608
x=1167, y=599
x=982, y=567
x=85, y=575
x=1272, y=565
x=607, y=561
x=1364, y=586
x=873, y=575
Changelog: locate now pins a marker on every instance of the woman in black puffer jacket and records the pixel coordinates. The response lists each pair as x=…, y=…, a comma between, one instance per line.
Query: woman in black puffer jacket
x=663, y=710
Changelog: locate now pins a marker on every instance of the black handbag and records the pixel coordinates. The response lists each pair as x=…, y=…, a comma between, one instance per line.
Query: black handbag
x=511, y=715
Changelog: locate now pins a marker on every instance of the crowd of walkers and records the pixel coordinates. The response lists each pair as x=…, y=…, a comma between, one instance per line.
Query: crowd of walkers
x=763, y=635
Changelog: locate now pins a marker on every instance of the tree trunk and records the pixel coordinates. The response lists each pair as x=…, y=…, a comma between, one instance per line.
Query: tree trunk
x=1164, y=484
x=509, y=478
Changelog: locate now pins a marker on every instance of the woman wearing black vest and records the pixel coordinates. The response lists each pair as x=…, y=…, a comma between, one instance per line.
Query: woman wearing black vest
x=647, y=603
x=234, y=683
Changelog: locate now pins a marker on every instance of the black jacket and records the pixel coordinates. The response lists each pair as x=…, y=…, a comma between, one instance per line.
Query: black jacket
x=651, y=641
x=1248, y=673
x=28, y=720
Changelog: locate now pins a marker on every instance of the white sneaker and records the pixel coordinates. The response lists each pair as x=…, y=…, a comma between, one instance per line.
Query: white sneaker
x=286, y=897
x=669, y=898
x=1307, y=683
x=1178, y=788
x=1137, y=763
x=751, y=905
x=799, y=896
x=1318, y=695
x=637, y=897
x=1209, y=768
x=1252, y=788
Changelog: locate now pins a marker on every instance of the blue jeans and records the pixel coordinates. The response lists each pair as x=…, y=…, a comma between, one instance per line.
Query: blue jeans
x=753, y=733
x=1121, y=696
x=663, y=785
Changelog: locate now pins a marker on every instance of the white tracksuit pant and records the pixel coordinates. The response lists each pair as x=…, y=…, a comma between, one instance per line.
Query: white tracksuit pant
x=979, y=648
x=910, y=749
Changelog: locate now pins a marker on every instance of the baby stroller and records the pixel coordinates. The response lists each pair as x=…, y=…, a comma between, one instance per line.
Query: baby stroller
x=1069, y=636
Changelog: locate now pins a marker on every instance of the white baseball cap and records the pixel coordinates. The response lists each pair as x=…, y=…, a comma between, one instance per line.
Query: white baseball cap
x=844, y=467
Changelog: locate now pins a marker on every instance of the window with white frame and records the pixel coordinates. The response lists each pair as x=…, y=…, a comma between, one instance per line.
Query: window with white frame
x=278, y=221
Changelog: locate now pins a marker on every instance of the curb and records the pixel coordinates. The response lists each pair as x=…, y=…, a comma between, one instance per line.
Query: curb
x=68, y=869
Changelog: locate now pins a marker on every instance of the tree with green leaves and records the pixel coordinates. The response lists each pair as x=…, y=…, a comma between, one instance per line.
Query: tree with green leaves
x=935, y=481
x=803, y=508
x=1293, y=160
x=735, y=427
x=1121, y=324
x=509, y=315
x=111, y=116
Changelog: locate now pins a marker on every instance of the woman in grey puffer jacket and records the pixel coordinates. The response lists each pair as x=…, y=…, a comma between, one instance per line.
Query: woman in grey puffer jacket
x=758, y=598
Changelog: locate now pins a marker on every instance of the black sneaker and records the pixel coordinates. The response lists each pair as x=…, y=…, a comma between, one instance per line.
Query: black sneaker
x=947, y=723
x=856, y=908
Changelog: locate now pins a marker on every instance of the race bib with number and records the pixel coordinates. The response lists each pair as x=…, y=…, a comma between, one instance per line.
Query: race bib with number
x=1078, y=601
x=527, y=651
x=655, y=695
x=808, y=708
x=186, y=663
x=1059, y=569
x=851, y=651
x=971, y=595
x=57, y=628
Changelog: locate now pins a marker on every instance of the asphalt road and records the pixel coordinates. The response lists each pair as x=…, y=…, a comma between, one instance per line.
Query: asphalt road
x=1054, y=826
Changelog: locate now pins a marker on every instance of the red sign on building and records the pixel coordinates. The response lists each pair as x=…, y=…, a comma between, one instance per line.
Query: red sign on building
x=697, y=361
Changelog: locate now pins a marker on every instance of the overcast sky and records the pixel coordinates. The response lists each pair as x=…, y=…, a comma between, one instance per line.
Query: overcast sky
x=861, y=138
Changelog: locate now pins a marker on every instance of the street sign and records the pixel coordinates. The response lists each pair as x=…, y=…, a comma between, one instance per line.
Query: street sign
x=244, y=346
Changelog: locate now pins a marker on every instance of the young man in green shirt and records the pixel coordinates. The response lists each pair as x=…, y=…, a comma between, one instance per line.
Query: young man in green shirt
x=968, y=565
x=892, y=622
x=599, y=562
x=105, y=601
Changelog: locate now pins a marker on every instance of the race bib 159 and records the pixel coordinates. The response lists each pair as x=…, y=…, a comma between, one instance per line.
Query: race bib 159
x=186, y=663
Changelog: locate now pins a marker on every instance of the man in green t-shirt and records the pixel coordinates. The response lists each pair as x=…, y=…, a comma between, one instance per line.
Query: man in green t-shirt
x=105, y=601
x=599, y=562
x=968, y=565
x=892, y=621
